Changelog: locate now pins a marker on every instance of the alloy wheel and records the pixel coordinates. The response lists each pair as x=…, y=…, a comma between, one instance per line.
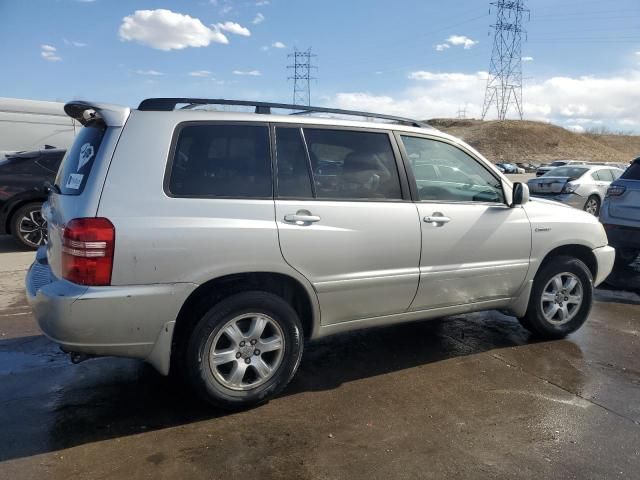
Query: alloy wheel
x=32, y=228
x=561, y=298
x=247, y=351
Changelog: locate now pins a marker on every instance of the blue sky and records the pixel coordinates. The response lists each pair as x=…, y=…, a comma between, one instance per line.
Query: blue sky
x=584, y=70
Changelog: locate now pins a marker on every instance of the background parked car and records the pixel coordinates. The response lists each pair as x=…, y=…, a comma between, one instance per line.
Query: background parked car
x=620, y=214
x=22, y=192
x=508, y=168
x=581, y=186
x=528, y=167
x=557, y=163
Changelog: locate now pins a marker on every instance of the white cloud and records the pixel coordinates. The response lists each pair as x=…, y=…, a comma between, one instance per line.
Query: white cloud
x=612, y=100
x=262, y=3
x=49, y=53
x=251, y=73
x=278, y=45
x=234, y=28
x=638, y=53
x=258, y=19
x=456, y=40
x=150, y=73
x=576, y=128
x=466, y=42
x=527, y=59
x=200, y=73
x=166, y=30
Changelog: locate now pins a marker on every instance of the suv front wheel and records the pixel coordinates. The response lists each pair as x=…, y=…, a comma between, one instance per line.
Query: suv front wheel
x=561, y=298
x=244, y=350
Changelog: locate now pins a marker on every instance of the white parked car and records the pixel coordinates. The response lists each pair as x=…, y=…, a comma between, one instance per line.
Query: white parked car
x=215, y=244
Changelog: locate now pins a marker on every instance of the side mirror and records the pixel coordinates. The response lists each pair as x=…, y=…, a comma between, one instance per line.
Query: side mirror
x=520, y=194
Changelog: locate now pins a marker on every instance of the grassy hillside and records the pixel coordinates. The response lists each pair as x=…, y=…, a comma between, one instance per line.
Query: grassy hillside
x=522, y=140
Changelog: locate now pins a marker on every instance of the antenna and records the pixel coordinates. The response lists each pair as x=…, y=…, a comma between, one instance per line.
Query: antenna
x=504, y=84
x=302, y=66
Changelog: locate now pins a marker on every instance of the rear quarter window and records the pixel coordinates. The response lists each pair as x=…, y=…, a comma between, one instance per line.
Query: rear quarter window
x=632, y=173
x=77, y=163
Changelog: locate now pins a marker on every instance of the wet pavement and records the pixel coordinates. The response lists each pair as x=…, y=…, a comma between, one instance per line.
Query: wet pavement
x=470, y=396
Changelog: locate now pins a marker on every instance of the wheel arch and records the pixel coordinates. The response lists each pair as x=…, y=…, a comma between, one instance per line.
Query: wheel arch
x=581, y=252
x=213, y=291
x=15, y=205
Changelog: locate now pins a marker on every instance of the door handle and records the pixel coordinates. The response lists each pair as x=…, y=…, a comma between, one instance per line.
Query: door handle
x=300, y=219
x=437, y=219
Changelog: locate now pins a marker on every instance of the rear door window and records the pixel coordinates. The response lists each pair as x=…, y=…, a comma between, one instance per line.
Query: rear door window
x=214, y=160
x=350, y=164
x=77, y=163
x=294, y=180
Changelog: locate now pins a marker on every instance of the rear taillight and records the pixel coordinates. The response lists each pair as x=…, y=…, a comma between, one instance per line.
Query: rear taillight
x=615, y=191
x=87, y=251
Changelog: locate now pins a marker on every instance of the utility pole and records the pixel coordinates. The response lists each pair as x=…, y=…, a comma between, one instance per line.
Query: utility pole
x=462, y=113
x=504, y=85
x=302, y=66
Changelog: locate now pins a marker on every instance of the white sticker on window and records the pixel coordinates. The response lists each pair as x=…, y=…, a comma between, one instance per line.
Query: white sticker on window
x=86, y=153
x=74, y=181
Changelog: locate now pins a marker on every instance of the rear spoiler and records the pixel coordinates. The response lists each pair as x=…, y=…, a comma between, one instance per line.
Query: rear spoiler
x=84, y=112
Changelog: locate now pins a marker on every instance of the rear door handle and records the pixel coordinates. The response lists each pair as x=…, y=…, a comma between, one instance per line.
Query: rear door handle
x=437, y=220
x=300, y=219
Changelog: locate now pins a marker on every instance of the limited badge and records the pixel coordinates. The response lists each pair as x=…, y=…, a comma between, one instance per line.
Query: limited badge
x=86, y=154
x=74, y=181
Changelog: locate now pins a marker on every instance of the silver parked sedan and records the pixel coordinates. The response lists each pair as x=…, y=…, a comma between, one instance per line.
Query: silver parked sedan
x=581, y=186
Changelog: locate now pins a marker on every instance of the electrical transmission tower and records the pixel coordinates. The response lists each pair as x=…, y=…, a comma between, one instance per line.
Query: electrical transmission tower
x=302, y=66
x=504, y=85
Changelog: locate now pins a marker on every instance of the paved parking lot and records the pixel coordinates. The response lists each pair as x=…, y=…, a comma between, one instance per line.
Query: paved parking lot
x=471, y=396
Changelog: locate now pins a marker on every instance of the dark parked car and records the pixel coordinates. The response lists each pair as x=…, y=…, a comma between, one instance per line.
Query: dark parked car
x=22, y=192
x=620, y=214
x=507, y=167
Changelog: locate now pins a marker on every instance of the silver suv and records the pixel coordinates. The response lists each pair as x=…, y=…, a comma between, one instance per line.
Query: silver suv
x=214, y=244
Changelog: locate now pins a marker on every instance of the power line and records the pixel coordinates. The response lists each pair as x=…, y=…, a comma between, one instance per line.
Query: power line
x=302, y=66
x=504, y=84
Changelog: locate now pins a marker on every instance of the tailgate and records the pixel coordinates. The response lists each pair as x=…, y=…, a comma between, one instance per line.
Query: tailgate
x=627, y=205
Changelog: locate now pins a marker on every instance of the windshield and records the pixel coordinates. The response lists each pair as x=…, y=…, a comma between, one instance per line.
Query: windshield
x=76, y=165
x=571, y=172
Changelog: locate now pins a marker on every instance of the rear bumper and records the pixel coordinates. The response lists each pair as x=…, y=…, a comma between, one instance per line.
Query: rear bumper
x=133, y=321
x=605, y=257
x=623, y=237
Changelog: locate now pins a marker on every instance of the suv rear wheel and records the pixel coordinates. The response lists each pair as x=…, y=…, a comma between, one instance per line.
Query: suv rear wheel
x=244, y=350
x=561, y=298
x=28, y=226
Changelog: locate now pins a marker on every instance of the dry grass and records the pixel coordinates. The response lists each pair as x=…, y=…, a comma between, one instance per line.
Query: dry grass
x=522, y=140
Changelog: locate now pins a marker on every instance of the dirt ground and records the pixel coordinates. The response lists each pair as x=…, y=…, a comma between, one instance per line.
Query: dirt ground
x=470, y=396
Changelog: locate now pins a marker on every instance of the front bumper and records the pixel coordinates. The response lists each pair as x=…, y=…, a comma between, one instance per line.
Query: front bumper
x=126, y=321
x=623, y=237
x=571, y=199
x=605, y=257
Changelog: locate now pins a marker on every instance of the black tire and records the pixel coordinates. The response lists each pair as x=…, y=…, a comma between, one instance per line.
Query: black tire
x=199, y=372
x=535, y=320
x=596, y=200
x=39, y=236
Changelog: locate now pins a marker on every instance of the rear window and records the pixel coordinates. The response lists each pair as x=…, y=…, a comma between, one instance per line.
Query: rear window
x=571, y=172
x=232, y=161
x=76, y=165
x=633, y=172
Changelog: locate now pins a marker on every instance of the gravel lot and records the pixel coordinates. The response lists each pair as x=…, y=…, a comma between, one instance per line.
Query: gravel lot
x=470, y=396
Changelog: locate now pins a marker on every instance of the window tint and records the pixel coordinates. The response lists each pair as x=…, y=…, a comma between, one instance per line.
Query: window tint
x=222, y=161
x=76, y=165
x=352, y=165
x=293, y=166
x=632, y=172
x=446, y=173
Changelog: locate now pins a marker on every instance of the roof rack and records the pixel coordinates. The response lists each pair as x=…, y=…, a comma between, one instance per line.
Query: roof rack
x=169, y=104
